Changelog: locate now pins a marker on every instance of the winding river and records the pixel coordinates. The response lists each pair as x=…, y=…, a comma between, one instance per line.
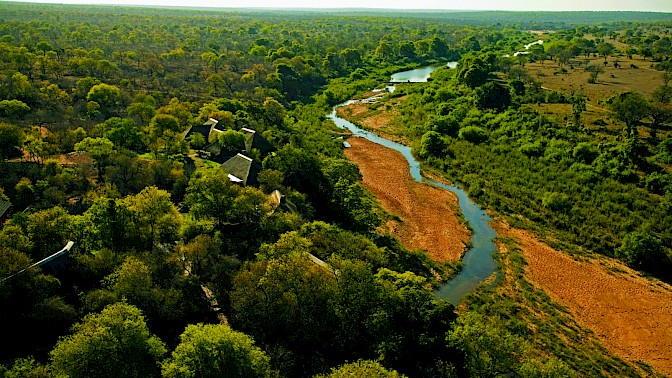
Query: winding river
x=478, y=262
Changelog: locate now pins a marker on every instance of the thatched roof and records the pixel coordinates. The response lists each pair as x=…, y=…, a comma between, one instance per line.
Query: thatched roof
x=204, y=129
x=217, y=153
x=254, y=140
x=279, y=202
x=241, y=170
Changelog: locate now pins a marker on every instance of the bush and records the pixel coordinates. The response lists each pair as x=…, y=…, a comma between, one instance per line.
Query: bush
x=643, y=251
x=473, y=134
x=585, y=153
x=556, y=202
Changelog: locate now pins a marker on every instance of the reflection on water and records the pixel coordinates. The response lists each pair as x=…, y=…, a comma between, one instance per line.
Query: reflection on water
x=478, y=262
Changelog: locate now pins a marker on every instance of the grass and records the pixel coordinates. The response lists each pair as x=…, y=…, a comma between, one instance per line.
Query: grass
x=547, y=326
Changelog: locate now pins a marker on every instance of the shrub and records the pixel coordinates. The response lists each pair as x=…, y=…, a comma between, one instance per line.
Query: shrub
x=473, y=134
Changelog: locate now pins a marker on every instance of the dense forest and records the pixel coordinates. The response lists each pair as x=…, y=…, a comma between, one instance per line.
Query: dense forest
x=219, y=229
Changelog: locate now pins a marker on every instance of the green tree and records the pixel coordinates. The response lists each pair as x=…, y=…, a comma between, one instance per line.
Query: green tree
x=578, y=107
x=605, y=49
x=156, y=218
x=492, y=95
x=643, y=251
x=113, y=343
x=215, y=350
x=594, y=70
x=629, y=107
x=361, y=368
x=13, y=108
x=232, y=140
x=431, y=144
x=489, y=351
x=11, y=140
x=106, y=95
x=99, y=149
x=124, y=133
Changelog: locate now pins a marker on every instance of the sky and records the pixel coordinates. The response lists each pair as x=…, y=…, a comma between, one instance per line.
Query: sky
x=515, y=5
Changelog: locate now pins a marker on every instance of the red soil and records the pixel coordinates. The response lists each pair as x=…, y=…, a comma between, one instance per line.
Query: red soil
x=428, y=215
x=630, y=314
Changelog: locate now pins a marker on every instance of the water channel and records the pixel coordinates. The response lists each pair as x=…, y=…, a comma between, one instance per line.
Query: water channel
x=478, y=262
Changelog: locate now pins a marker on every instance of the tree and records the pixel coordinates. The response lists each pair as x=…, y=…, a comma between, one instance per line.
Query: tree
x=106, y=95
x=431, y=144
x=578, y=107
x=123, y=132
x=594, y=70
x=605, y=49
x=361, y=368
x=489, y=351
x=629, y=107
x=492, y=95
x=215, y=350
x=473, y=72
x=13, y=108
x=11, y=139
x=643, y=251
x=156, y=218
x=114, y=343
x=232, y=140
x=99, y=149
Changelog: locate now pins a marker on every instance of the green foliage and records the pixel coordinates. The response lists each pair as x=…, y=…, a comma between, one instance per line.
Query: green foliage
x=431, y=144
x=113, y=343
x=11, y=139
x=585, y=153
x=493, y=95
x=473, y=71
x=13, y=108
x=473, y=134
x=207, y=350
x=361, y=368
x=105, y=95
x=643, y=251
x=232, y=140
x=629, y=107
x=489, y=351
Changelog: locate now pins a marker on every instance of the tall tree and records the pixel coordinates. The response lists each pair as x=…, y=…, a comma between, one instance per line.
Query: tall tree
x=114, y=343
x=215, y=350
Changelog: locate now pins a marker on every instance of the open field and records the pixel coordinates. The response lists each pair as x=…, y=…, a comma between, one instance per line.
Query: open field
x=629, y=314
x=427, y=216
x=643, y=79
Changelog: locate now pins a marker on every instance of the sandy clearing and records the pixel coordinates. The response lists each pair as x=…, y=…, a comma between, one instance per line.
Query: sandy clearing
x=630, y=315
x=428, y=215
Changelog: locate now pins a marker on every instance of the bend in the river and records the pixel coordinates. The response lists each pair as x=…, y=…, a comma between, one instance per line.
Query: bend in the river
x=478, y=262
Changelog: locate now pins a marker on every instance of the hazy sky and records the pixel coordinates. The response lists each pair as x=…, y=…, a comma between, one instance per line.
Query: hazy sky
x=618, y=5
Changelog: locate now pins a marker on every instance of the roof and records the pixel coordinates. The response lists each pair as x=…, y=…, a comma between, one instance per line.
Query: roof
x=241, y=169
x=217, y=153
x=205, y=129
x=51, y=264
x=254, y=140
x=4, y=206
x=279, y=202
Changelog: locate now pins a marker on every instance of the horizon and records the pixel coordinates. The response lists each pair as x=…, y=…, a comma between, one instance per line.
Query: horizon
x=660, y=6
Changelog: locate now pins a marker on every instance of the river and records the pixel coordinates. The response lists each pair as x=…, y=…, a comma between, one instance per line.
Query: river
x=478, y=262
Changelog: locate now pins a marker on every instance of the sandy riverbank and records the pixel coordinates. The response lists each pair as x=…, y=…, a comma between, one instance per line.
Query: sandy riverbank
x=428, y=215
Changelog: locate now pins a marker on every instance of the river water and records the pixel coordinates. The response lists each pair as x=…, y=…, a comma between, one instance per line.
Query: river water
x=478, y=262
